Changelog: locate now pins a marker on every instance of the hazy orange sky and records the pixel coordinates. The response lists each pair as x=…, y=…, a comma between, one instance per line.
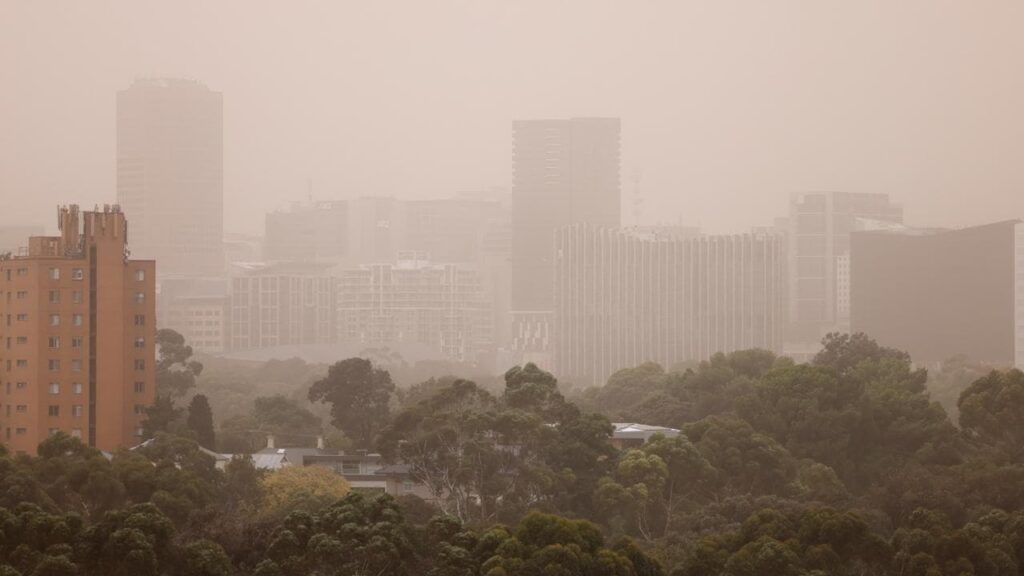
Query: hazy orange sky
x=727, y=106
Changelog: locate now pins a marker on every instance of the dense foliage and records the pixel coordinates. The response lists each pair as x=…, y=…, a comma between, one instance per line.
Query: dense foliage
x=845, y=465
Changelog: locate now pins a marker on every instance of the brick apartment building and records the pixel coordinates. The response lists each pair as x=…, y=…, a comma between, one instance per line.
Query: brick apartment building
x=76, y=335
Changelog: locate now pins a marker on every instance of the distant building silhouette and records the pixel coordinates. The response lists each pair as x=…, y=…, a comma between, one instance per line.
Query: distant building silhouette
x=625, y=297
x=940, y=293
x=819, y=227
x=443, y=307
x=170, y=174
x=78, y=324
x=196, y=308
x=287, y=304
x=315, y=231
x=564, y=172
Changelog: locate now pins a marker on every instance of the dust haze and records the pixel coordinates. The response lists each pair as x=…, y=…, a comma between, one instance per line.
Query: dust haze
x=727, y=107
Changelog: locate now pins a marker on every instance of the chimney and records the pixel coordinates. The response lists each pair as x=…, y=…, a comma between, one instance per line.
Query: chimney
x=270, y=441
x=320, y=442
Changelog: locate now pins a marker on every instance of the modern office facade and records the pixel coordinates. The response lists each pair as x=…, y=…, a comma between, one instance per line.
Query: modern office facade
x=282, y=305
x=77, y=333
x=170, y=174
x=564, y=172
x=819, y=228
x=623, y=298
x=443, y=308
x=941, y=293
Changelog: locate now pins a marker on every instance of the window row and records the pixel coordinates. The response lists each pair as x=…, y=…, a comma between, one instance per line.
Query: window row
x=76, y=387
x=77, y=296
x=75, y=432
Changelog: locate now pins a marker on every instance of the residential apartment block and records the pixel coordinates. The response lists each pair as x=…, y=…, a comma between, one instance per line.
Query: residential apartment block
x=77, y=327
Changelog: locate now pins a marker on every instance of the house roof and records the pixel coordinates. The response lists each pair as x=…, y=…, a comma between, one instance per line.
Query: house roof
x=627, y=430
x=269, y=461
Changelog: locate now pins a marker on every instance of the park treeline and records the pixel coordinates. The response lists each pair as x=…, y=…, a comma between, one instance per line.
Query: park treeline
x=844, y=465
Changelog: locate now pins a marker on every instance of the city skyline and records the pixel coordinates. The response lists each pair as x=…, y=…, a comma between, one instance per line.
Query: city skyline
x=702, y=152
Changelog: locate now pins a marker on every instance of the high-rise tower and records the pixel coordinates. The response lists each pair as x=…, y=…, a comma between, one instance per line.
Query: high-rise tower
x=170, y=174
x=564, y=172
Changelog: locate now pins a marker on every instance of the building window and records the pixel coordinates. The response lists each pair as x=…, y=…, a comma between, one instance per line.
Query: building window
x=140, y=297
x=22, y=340
x=20, y=431
x=76, y=296
x=140, y=342
x=21, y=408
x=140, y=275
x=22, y=294
x=53, y=411
x=54, y=296
x=140, y=320
x=54, y=273
x=54, y=319
x=54, y=365
x=76, y=411
x=140, y=364
x=140, y=387
x=140, y=409
x=76, y=432
x=21, y=385
x=21, y=317
x=76, y=388
x=76, y=342
x=76, y=319
x=22, y=271
x=53, y=431
x=21, y=363
x=77, y=274
x=76, y=365
x=54, y=342
x=54, y=387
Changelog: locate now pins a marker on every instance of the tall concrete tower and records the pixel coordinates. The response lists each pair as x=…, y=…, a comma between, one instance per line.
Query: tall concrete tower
x=170, y=174
x=564, y=172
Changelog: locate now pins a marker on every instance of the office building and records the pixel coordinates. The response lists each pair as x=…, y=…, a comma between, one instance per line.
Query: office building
x=77, y=335
x=564, y=172
x=441, y=308
x=196, y=308
x=623, y=298
x=941, y=293
x=170, y=174
x=282, y=305
x=820, y=224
